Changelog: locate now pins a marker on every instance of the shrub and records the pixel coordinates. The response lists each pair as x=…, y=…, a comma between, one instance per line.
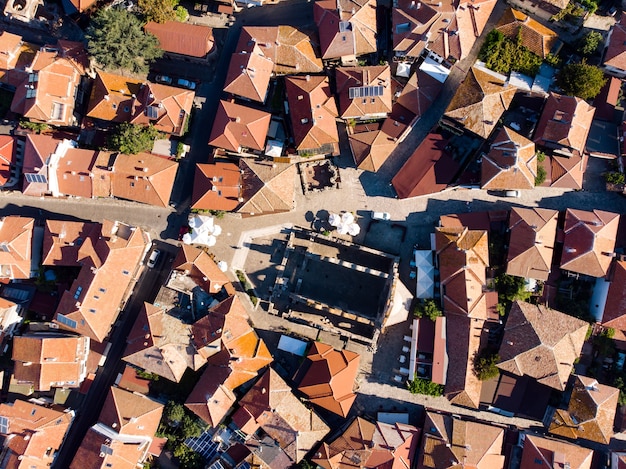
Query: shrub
x=424, y=386
x=589, y=43
x=541, y=156
x=131, y=139
x=429, y=309
x=485, y=366
x=540, y=178
x=35, y=126
x=614, y=177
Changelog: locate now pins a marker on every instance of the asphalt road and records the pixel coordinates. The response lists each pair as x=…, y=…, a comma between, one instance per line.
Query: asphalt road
x=146, y=290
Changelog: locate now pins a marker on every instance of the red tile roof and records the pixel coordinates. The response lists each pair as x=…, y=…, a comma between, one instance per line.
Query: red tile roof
x=37, y=150
x=330, y=377
x=249, y=75
x=16, y=235
x=615, y=308
x=518, y=26
x=364, y=80
x=541, y=343
x=50, y=360
x=371, y=149
x=380, y=445
x=182, y=38
x=7, y=158
x=268, y=188
x=63, y=242
x=236, y=127
x=531, y=244
x=112, y=97
x=417, y=96
x=615, y=55
x=312, y=110
x=35, y=433
x=567, y=173
x=510, y=163
x=129, y=413
x=589, y=241
x=564, y=124
x=216, y=186
x=358, y=38
x=198, y=265
x=410, y=25
x=590, y=413
x=166, y=107
x=70, y=173
x=90, y=306
x=428, y=170
x=540, y=452
x=480, y=101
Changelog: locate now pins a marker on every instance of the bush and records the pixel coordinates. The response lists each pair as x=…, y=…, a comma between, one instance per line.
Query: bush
x=614, y=177
x=34, y=126
x=485, y=366
x=429, y=309
x=502, y=55
x=541, y=156
x=540, y=178
x=424, y=386
x=589, y=43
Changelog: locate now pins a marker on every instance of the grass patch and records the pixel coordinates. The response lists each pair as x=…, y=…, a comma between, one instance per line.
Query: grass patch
x=245, y=285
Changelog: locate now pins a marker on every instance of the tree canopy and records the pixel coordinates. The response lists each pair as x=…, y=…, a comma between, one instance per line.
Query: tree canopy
x=131, y=139
x=161, y=11
x=116, y=40
x=582, y=80
x=589, y=43
x=502, y=55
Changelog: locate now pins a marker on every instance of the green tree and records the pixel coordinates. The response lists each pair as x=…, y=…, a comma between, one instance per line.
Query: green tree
x=132, y=139
x=511, y=288
x=589, y=43
x=424, y=386
x=582, y=80
x=174, y=413
x=116, y=40
x=485, y=366
x=187, y=457
x=190, y=427
x=429, y=309
x=161, y=11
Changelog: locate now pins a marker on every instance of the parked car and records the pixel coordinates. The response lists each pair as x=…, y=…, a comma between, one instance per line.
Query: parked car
x=190, y=85
x=154, y=257
x=163, y=79
x=515, y=194
x=381, y=216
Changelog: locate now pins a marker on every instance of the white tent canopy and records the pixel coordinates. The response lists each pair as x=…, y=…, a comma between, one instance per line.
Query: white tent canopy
x=222, y=265
x=425, y=274
x=353, y=229
x=334, y=219
x=347, y=218
x=203, y=231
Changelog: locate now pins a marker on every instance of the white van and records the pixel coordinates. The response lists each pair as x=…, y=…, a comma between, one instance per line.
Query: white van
x=381, y=216
x=154, y=257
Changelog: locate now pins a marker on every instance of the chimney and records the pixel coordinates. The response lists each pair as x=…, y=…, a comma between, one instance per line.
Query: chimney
x=106, y=97
x=308, y=78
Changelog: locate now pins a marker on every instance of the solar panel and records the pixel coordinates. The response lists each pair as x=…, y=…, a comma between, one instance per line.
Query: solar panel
x=66, y=321
x=365, y=91
x=32, y=177
x=106, y=449
x=4, y=425
x=152, y=112
x=344, y=26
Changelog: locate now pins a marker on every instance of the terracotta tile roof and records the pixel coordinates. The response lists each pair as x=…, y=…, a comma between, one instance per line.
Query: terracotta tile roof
x=330, y=377
x=216, y=186
x=418, y=94
x=144, y=178
x=450, y=442
x=361, y=79
x=615, y=308
x=210, y=399
x=236, y=127
x=10, y=45
x=50, y=360
x=346, y=27
x=271, y=404
x=121, y=453
x=112, y=97
x=590, y=413
x=533, y=35
x=312, y=110
x=37, y=150
x=410, y=25
x=564, y=124
x=539, y=451
x=198, y=265
x=367, y=444
x=289, y=49
x=130, y=381
x=480, y=101
x=182, y=38
x=129, y=413
x=15, y=56
x=161, y=343
x=428, y=170
x=70, y=173
x=166, y=107
x=471, y=19
x=267, y=188
x=90, y=306
x=16, y=235
x=531, y=244
x=463, y=260
x=464, y=338
x=249, y=75
x=589, y=241
x=541, y=343
x=510, y=163
x=615, y=54
x=371, y=149
x=35, y=433
x=567, y=173
x=63, y=242
x=48, y=93
x=80, y=5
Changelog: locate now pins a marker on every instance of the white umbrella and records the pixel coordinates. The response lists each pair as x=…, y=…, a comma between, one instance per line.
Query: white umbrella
x=354, y=229
x=217, y=230
x=347, y=218
x=195, y=221
x=222, y=265
x=187, y=238
x=334, y=219
x=342, y=228
x=211, y=240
